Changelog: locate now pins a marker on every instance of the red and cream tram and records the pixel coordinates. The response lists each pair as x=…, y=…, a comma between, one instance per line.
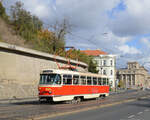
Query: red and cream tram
x=65, y=85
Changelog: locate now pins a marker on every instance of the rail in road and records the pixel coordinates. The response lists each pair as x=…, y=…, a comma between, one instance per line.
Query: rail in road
x=35, y=110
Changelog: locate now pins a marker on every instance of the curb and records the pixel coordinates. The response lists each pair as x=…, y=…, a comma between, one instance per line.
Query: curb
x=19, y=100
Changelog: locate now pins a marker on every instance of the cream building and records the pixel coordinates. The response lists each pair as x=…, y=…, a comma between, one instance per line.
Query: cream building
x=106, y=64
x=134, y=76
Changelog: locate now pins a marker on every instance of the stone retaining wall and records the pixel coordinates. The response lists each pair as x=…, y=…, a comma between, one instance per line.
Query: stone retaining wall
x=20, y=69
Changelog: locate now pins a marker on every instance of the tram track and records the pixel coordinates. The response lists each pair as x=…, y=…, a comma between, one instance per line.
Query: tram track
x=34, y=110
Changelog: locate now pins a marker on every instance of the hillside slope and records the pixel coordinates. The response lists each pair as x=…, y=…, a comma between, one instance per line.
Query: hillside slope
x=8, y=35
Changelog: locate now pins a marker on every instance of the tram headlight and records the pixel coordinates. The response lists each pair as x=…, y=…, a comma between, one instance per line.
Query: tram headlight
x=49, y=90
x=39, y=88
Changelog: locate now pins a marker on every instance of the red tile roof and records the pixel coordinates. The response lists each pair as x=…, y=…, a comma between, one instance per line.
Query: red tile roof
x=94, y=52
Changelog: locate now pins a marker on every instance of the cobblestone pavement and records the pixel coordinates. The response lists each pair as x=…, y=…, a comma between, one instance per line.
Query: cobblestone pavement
x=30, y=110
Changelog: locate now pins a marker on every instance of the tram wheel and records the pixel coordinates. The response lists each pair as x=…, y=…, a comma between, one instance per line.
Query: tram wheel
x=102, y=97
x=98, y=98
x=41, y=101
x=76, y=100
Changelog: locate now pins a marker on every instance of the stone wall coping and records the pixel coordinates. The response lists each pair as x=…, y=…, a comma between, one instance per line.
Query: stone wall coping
x=35, y=52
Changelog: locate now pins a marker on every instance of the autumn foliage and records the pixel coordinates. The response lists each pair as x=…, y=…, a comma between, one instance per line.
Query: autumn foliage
x=51, y=40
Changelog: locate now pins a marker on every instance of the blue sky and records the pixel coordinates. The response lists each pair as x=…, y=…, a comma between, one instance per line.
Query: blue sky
x=120, y=7
x=126, y=23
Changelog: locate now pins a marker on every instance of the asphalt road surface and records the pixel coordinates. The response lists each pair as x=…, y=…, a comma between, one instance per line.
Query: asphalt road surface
x=115, y=107
x=137, y=110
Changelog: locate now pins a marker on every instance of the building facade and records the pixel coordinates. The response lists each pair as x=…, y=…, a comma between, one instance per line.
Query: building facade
x=134, y=76
x=106, y=64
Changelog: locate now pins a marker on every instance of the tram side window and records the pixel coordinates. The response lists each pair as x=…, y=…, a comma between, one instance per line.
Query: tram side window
x=57, y=80
x=107, y=81
x=89, y=81
x=99, y=81
x=94, y=81
x=67, y=79
x=76, y=80
x=104, y=81
x=51, y=79
x=83, y=80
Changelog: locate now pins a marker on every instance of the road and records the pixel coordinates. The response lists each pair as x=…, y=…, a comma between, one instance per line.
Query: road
x=137, y=110
x=35, y=110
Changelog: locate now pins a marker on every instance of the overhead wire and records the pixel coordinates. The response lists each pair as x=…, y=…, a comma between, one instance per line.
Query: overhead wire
x=91, y=40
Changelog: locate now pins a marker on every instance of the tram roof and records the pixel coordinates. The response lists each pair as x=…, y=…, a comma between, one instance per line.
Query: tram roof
x=60, y=71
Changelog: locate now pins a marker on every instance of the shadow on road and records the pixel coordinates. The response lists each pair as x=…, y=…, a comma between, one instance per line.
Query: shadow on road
x=141, y=103
x=37, y=103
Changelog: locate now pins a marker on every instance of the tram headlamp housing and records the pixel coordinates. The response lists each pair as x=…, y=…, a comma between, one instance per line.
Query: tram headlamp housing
x=39, y=88
x=49, y=90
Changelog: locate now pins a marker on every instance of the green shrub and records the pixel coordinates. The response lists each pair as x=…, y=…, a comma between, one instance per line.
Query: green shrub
x=3, y=14
x=25, y=24
x=30, y=28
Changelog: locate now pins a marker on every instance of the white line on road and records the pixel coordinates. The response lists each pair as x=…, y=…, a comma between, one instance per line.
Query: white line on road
x=146, y=110
x=139, y=113
x=131, y=116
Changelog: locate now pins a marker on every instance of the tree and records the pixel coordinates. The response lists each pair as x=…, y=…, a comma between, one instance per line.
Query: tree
x=45, y=40
x=3, y=12
x=92, y=66
x=77, y=55
x=121, y=84
x=60, y=29
x=25, y=24
x=31, y=29
x=48, y=40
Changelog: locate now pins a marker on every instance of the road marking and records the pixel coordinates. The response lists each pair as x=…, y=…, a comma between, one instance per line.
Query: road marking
x=146, y=110
x=82, y=110
x=139, y=113
x=131, y=116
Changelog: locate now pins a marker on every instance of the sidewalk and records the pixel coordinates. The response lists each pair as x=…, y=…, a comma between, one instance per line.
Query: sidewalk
x=18, y=100
x=24, y=100
x=122, y=91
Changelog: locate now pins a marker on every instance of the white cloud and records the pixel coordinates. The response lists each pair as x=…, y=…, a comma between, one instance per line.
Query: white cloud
x=146, y=42
x=85, y=14
x=90, y=21
x=134, y=20
x=128, y=50
x=36, y=7
x=137, y=7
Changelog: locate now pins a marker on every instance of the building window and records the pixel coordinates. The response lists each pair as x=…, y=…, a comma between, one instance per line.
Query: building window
x=104, y=62
x=111, y=62
x=104, y=72
x=135, y=66
x=133, y=79
x=100, y=62
x=111, y=72
x=124, y=77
